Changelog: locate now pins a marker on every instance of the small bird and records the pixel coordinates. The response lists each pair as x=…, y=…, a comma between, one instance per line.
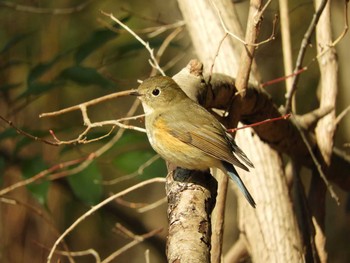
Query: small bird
x=186, y=134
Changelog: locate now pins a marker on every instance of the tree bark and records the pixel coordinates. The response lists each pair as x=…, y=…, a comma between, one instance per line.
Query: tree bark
x=270, y=232
x=274, y=216
x=191, y=199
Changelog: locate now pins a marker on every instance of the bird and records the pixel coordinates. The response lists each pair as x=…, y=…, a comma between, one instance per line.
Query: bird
x=184, y=133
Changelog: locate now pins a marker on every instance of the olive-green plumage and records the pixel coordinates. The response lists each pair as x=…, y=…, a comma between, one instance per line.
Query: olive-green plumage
x=186, y=134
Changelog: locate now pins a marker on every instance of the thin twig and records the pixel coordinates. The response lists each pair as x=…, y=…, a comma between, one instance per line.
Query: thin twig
x=147, y=256
x=286, y=43
x=87, y=103
x=139, y=171
x=304, y=44
x=247, y=54
x=224, y=25
x=42, y=174
x=81, y=253
x=101, y=150
x=164, y=46
x=153, y=60
x=316, y=162
x=40, y=214
x=216, y=55
x=341, y=36
x=284, y=117
x=342, y=115
x=137, y=239
x=20, y=131
x=154, y=205
x=274, y=81
x=244, y=42
x=151, y=32
x=98, y=206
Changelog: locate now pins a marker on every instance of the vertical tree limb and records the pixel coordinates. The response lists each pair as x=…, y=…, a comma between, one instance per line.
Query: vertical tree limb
x=326, y=127
x=286, y=45
x=304, y=44
x=206, y=32
x=328, y=64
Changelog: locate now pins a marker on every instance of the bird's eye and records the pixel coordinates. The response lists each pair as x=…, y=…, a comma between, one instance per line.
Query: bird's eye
x=155, y=92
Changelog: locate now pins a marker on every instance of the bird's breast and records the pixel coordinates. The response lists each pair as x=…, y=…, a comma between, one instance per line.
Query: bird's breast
x=174, y=150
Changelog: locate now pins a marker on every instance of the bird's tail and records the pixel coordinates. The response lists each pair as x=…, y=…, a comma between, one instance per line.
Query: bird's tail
x=234, y=175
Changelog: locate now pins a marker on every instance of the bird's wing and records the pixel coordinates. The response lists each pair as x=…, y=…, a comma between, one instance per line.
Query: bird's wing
x=210, y=138
x=238, y=151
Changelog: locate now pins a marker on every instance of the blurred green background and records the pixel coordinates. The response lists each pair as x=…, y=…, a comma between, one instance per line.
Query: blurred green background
x=49, y=61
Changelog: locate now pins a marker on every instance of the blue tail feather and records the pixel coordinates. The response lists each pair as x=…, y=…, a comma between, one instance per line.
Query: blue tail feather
x=231, y=171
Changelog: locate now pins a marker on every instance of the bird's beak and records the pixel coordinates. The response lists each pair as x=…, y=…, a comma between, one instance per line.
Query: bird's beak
x=135, y=93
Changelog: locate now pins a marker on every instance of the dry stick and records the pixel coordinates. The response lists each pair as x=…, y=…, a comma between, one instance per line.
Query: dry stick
x=143, y=17
x=152, y=31
x=305, y=42
x=244, y=42
x=277, y=80
x=98, y=206
x=139, y=171
x=224, y=25
x=160, y=30
x=284, y=117
x=342, y=35
x=42, y=174
x=20, y=131
x=81, y=253
x=174, y=60
x=317, y=164
x=153, y=60
x=147, y=259
x=342, y=115
x=238, y=252
x=83, y=108
x=100, y=151
x=333, y=44
x=40, y=214
x=87, y=103
x=216, y=55
x=129, y=204
x=247, y=55
x=241, y=83
x=286, y=44
x=137, y=239
x=218, y=218
x=325, y=129
x=164, y=46
x=152, y=205
x=40, y=10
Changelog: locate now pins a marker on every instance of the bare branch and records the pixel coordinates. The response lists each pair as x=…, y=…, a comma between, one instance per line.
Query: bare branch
x=139, y=171
x=87, y=103
x=302, y=51
x=26, y=134
x=137, y=240
x=153, y=60
x=286, y=43
x=342, y=115
x=244, y=42
x=316, y=162
x=98, y=206
x=42, y=174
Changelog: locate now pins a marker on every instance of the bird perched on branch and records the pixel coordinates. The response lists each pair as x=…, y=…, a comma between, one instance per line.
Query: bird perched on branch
x=186, y=134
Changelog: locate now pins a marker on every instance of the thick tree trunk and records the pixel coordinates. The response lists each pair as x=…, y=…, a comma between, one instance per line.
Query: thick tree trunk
x=271, y=230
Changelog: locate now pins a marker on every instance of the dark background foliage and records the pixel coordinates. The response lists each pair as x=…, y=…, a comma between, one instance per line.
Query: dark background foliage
x=51, y=61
